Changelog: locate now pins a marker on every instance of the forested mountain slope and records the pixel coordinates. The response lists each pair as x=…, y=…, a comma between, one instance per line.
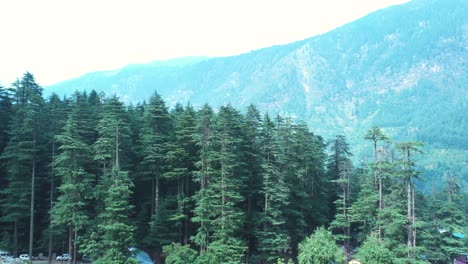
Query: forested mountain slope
x=403, y=68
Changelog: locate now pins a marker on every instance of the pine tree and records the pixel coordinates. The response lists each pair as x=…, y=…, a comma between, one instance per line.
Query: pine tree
x=227, y=217
x=22, y=155
x=71, y=208
x=5, y=116
x=182, y=156
x=394, y=220
x=114, y=229
x=85, y=110
x=56, y=113
x=113, y=118
x=362, y=213
x=272, y=235
x=340, y=168
x=142, y=194
x=375, y=134
x=135, y=117
x=307, y=182
x=204, y=176
x=155, y=132
x=114, y=232
x=408, y=149
x=252, y=155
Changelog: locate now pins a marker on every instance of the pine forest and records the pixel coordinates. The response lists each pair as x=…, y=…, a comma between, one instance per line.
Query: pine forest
x=91, y=176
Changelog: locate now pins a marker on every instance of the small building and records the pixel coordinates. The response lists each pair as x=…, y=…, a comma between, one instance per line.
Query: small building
x=355, y=261
x=462, y=259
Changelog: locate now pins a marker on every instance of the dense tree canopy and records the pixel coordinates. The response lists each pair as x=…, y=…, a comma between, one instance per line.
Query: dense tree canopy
x=90, y=175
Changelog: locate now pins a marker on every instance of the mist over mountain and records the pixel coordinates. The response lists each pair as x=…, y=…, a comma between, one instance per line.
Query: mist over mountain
x=403, y=68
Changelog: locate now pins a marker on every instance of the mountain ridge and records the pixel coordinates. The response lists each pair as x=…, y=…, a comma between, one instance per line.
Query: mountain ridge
x=402, y=68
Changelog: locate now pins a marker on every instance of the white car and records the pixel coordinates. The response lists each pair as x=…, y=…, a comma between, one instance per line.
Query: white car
x=64, y=257
x=8, y=259
x=24, y=257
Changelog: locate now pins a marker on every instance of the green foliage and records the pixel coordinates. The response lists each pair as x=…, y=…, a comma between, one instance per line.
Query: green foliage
x=154, y=139
x=207, y=258
x=373, y=252
x=181, y=157
x=70, y=209
x=210, y=186
x=23, y=155
x=203, y=176
x=116, y=256
x=178, y=254
x=319, y=248
x=399, y=64
x=227, y=216
x=5, y=116
x=363, y=210
x=281, y=261
x=275, y=191
x=447, y=218
x=114, y=232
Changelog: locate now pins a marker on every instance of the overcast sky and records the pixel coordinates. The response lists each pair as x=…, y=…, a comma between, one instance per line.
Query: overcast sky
x=61, y=39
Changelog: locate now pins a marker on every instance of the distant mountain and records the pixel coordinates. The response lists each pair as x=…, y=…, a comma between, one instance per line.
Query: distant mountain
x=403, y=68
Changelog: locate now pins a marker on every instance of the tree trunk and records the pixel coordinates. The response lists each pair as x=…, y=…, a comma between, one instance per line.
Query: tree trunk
x=249, y=221
x=31, y=222
x=70, y=236
x=409, y=212
x=156, y=196
x=409, y=220
x=152, y=196
x=180, y=209
x=202, y=191
x=117, y=163
x=223, y=197
x=15, y=239
x=379, y=176
x=187, y=212
x=413, y=218
x=52, y=179
x=380, y=208
x=375, y=160
x=74, y=247
x=345, y=246
x=375, y=150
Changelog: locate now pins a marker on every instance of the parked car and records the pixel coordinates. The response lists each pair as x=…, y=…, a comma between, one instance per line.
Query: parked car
x=86, y=259
x=24, y=257
x=5, y=257
x=8, y=259
x=63, y=257
x=3, y=254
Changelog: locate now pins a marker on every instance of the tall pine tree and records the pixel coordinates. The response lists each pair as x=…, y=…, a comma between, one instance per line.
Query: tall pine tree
x=114, y=232
x=23, y=156
x=76, y=186
x=272, y=234
x=154, y=138
x=340, y=168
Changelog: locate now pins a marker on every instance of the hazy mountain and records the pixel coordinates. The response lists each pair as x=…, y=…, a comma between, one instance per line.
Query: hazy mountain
x=403, y=68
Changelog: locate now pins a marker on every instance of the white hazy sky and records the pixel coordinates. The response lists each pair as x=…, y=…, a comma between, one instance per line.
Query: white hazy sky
x=61, y=39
